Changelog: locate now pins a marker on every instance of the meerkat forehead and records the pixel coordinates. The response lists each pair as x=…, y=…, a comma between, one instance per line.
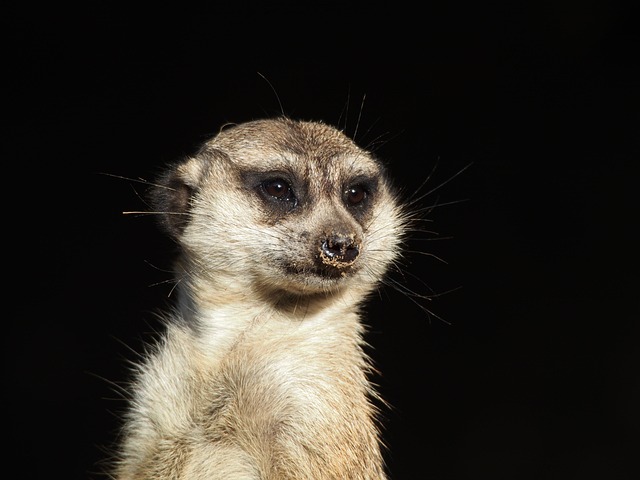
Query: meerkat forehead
x=268, y=144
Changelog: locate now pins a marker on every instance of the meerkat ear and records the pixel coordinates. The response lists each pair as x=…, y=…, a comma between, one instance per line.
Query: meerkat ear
x=173, y=192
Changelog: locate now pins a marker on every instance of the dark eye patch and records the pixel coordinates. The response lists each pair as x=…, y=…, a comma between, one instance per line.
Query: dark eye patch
x=276, y=189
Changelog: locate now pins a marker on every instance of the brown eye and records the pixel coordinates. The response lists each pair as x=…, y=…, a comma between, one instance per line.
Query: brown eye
x=355, y=194
x=278, y=189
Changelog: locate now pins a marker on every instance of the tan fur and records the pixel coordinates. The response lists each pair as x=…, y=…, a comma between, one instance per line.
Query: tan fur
x=261, y=373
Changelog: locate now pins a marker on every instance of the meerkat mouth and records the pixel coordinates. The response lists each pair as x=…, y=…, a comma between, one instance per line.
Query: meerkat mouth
x=327, y=272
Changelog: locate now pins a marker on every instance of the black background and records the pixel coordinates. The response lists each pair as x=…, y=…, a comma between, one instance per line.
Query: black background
x=528, y=368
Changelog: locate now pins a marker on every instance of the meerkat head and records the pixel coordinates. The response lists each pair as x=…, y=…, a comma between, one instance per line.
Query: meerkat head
x=282, y=205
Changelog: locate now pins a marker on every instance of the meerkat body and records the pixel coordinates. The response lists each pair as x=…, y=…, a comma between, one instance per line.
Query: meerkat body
x=284, y=228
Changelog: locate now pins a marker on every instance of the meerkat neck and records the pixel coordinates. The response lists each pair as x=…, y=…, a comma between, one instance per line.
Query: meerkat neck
x=220, y=319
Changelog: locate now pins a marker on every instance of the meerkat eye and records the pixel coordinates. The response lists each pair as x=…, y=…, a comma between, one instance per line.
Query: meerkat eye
x=355, y=195
x=278, y=189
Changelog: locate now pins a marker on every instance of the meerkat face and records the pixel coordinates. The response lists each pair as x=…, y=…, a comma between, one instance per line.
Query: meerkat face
x=283, y=205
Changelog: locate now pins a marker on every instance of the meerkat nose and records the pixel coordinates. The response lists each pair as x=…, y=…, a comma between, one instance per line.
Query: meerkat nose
x=339, y=249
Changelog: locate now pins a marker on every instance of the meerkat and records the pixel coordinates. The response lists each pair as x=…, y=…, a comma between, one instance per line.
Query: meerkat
x=284, y=228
